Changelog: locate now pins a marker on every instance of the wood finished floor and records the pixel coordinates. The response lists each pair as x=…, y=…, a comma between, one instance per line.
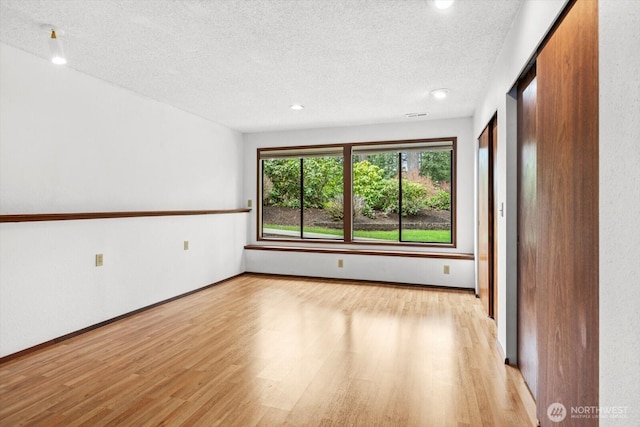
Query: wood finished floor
x=269, y=351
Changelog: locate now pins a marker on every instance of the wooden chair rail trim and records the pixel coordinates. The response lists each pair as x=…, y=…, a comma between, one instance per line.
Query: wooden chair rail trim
x=103, y=215
x=408, y=254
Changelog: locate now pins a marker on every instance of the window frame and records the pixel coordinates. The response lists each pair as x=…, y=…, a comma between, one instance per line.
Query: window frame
x=347, y=154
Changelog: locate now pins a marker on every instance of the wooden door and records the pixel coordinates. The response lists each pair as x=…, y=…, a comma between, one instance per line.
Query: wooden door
x=567, y=215
x=485, y=221
x=495, y=210
x=527, y=230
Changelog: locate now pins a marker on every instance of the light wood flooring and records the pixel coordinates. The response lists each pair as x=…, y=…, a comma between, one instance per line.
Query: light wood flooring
x=270, y=351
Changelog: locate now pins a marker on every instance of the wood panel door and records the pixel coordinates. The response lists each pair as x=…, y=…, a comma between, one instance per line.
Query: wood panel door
x=567, y=216
x=485, y=220
x=495, y=209
x=527, y=231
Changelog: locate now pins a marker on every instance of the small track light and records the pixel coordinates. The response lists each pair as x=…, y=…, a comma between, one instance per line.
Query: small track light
x=55, y=46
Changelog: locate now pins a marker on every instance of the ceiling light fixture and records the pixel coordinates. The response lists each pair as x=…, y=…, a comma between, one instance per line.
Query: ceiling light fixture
x=55, y=46
x=442, y=4
x=440, y=93
x=415, y=115
x=297, y=107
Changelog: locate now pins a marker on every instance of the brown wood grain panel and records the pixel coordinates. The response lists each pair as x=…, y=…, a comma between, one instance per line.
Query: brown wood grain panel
x=357, y=243
x=259, y=196
x=485, y=263
x=493, y=285
x=407, y=254
x=356, y=144
x=454, y=195
x=103, y=215
x=347, y=164
x=527, y=230
x=567, y=197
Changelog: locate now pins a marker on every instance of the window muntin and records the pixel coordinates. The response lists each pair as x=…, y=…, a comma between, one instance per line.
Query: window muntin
x=323, y=185
x=424, y=191
x=428, y=177
x=411, y=206
x=294, y=189
x=281, y=187
x=373, y=191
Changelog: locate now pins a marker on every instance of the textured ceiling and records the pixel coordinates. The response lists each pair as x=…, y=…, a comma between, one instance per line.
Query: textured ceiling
x=242, y=63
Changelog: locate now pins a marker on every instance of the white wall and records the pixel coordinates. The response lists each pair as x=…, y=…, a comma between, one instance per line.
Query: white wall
x=531, y=24
x=420, y=271
x=619, y=40
x=417, y=271
x=72, y=143
x=50, y=286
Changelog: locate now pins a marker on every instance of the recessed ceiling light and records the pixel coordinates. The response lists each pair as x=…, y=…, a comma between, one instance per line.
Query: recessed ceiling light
x=297, y=107
x=440, y=93
x=442, y=4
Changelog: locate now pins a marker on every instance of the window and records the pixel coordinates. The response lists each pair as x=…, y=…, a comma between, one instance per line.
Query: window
x=397, y=192
x=300, y=190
